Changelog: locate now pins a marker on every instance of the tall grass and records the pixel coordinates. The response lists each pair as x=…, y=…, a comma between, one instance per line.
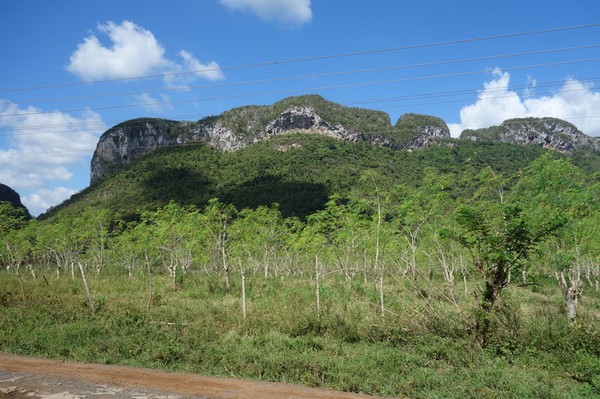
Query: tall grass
x=422, y=348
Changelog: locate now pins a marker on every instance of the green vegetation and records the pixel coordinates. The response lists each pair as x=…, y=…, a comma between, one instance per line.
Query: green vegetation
x=10, y=196
x=254, y=118
x=417, y=352
x=297, y=171
x=465, y=271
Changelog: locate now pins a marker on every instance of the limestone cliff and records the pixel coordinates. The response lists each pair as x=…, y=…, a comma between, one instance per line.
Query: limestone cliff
x=551, y=133
x=240, y=127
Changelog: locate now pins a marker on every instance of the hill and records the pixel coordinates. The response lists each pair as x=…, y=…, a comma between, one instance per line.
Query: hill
x=9, y=195
x=298, y=171
x=549, y=133
x=298, y=152
x=241, y=127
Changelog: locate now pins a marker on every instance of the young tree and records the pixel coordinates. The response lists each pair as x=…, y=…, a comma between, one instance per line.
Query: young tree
x=554, y=188
x=216, y=219
x=500, y=241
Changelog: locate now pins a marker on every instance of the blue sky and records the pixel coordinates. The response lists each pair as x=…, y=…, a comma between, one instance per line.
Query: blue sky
x=67, y=67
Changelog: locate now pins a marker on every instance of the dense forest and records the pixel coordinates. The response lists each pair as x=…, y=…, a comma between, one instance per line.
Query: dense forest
x=459, y=270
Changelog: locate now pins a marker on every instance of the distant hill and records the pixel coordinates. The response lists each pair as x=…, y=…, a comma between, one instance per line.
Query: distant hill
x=551, y=133
x=7, y=194
x=298, y=171
x=298, y=152
x=241, y=127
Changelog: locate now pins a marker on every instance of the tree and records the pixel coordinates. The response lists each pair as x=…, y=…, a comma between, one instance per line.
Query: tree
x=555, y=188
x=216, y=219
x=170, y=235
x=11, y=218
x=500, y=241
x=340, y=232
x=259, y=235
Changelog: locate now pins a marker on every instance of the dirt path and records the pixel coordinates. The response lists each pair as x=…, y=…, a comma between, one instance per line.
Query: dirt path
x=26, y=377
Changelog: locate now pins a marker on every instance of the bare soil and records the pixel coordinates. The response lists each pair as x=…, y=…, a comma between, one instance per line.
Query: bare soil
x=28, y=377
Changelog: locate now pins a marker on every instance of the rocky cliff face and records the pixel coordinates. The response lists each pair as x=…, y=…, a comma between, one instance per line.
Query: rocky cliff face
x=241, y=127
x=551, y=133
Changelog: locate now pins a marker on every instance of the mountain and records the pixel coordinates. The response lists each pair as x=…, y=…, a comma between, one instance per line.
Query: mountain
x=551, y=133
x=298, y=152
x=240, y=127
x=7, y=194
x=298, y=171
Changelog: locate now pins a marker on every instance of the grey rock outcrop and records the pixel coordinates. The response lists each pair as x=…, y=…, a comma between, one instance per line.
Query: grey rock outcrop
x=244, y=126
x=551, y=133
x=306, y=119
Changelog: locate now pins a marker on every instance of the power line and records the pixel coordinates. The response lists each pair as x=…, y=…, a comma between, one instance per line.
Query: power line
x=311, y=76
x=303, y=90
x=354, y=102
x=314, y=58
x=102, y=124
x=472, y=91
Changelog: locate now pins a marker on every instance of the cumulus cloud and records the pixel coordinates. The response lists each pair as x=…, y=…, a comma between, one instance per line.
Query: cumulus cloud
x=285, y=12
x=44, y=147
x=153, y=104
x=190, y=69
x=134, y=51
x=574, y=101
x=44, y=198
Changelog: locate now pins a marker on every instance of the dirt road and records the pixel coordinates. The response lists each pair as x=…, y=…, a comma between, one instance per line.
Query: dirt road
x=26, y=377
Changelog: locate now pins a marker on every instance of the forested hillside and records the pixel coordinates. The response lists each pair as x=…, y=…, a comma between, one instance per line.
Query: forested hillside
x=298, y=172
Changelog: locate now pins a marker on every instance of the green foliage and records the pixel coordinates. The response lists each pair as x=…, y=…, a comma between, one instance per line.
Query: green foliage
x=194, y=330
x=11, y=218
x=305, y=218
x=298, y=172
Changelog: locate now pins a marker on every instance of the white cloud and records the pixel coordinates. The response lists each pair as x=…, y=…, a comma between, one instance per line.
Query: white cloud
x=185, y=73
x=575, y=102
x=285, y=12
x=43, y=199
x=134, y=52
x=44, y=147
x=153, y=104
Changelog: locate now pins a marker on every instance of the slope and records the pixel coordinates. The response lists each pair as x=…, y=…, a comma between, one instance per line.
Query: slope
x=297, y=171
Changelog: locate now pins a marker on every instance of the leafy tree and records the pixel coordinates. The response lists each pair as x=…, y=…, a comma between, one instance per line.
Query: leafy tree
x=217, y=219
x=500, y=241
x=171, y=233
x=340, y=232
x=11, y=217
x=553, y=188
x=259, y=236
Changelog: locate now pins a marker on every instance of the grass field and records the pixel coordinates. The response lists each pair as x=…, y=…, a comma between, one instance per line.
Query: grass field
x=422, y=347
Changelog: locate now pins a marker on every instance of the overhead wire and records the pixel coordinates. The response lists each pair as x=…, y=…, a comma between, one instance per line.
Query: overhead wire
x=308, y=76
x=311, y=76
x=47, y=129
x=101, y=124
x=302, y=90
x=313, y=58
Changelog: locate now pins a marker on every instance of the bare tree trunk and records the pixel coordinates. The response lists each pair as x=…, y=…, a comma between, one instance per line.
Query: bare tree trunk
x=382, y=305
x=150, y=293
x=572, y=292
x=244, y=313
x=21, y=284
x=87, y=288
x=318, y=287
